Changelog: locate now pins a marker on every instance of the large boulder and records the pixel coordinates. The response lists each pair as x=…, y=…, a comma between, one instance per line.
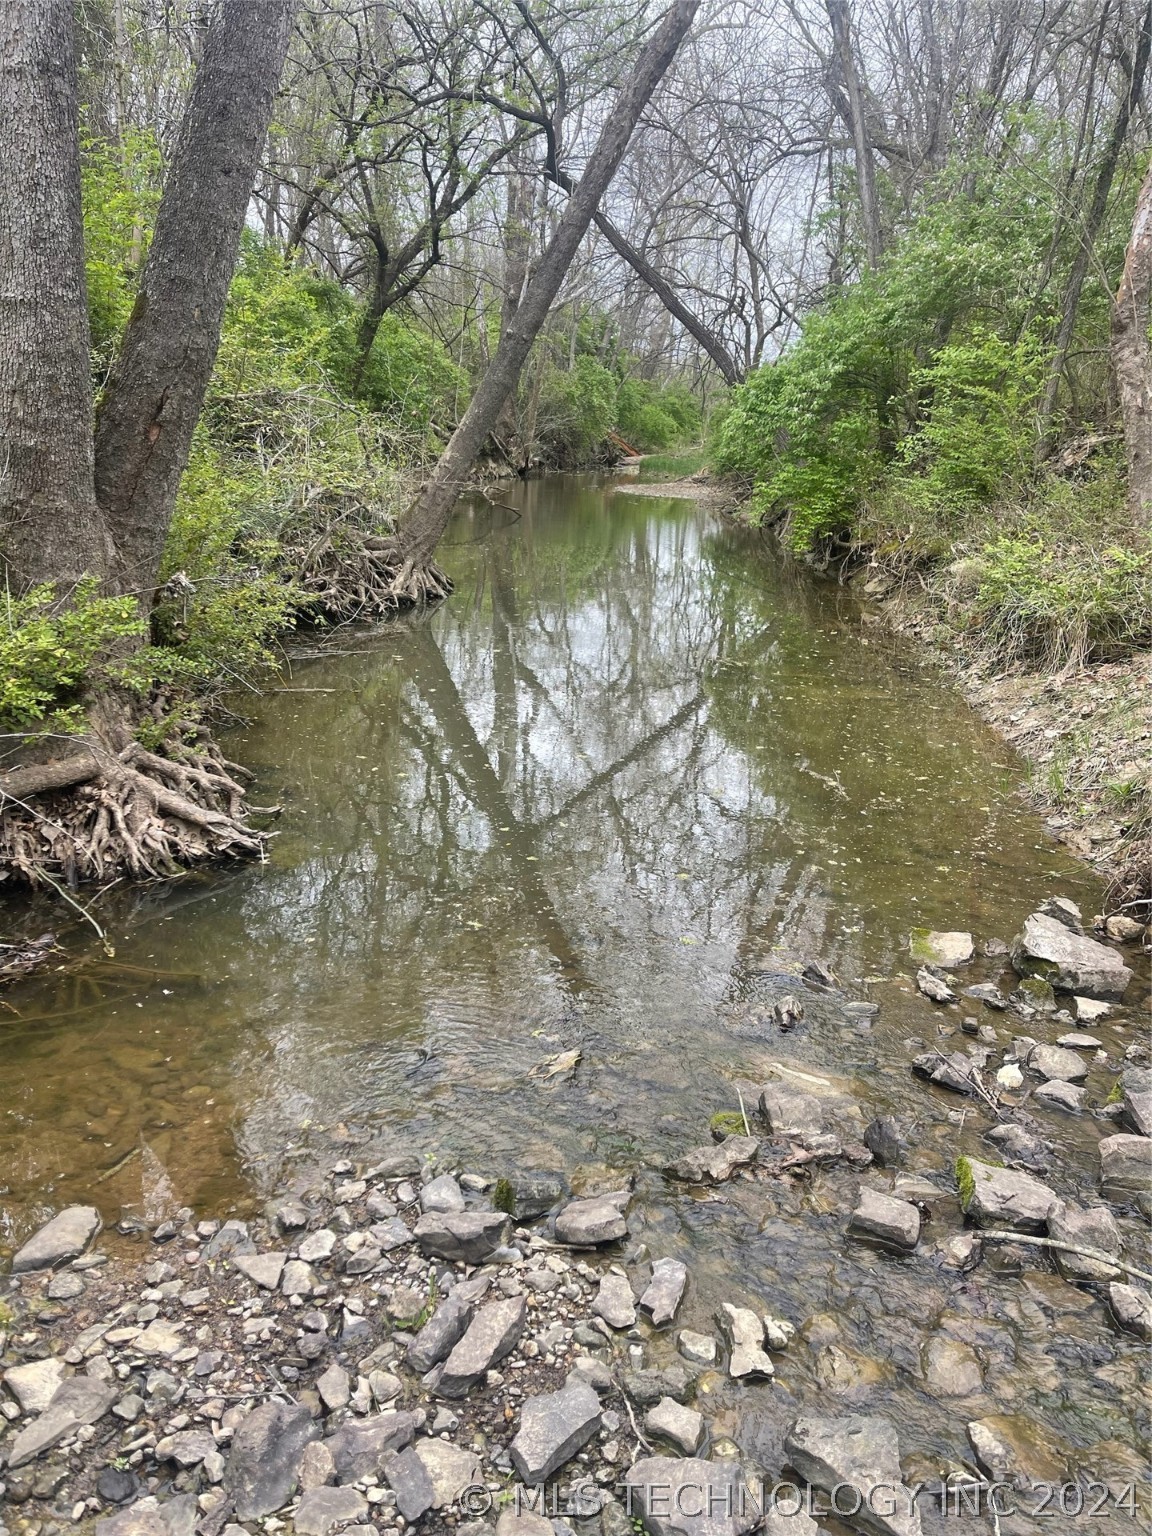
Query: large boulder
x=1003, y=1197
x=65, y=1237
x=264, y=1466
x=856, y=1453
x=1069, y=961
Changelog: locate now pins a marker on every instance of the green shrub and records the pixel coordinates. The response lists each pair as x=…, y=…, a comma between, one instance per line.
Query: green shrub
x=49, y=654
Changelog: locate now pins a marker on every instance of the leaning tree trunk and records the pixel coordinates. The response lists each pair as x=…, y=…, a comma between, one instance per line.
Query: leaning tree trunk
x=51, y=527
x=153, y=400
x=845, y=55
x=1132, y=357
x=415, y=576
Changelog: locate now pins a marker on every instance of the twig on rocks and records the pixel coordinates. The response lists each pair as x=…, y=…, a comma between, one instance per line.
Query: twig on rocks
x=635, y=1426
x=1096, y=1254
x=743, y=1112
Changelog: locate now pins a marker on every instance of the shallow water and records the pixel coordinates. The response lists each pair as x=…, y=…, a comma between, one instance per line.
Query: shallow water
x=612, y=797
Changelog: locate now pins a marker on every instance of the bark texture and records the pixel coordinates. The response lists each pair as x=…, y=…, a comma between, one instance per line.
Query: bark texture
x=1132, y=357
x=153, y=400
x=49, y=521
x=416, y=577
x=853, y=111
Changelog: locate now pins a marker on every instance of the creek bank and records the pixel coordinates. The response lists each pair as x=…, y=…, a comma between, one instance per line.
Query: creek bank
x=386, y=1335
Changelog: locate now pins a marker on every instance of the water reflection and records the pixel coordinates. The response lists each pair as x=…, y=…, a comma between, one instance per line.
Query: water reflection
x=610, y=796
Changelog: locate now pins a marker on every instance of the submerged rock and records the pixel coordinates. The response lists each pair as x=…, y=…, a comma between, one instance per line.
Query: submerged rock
x=684, y=1496
x=944, y=949
x=863, y=1452
x=1069, y=961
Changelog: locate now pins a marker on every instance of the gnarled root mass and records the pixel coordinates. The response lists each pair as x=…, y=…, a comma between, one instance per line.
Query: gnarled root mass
x=111, y=808
x=365, y=578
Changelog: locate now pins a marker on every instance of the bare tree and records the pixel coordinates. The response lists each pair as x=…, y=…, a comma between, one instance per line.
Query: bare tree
x=1132, y=357
x=416, y=577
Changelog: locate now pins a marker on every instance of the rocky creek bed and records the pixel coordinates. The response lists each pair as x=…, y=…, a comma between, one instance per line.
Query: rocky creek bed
x=398, y=1341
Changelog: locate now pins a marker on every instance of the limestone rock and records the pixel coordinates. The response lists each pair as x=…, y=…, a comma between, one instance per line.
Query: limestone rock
x=1136, y=1088
x=442, y=1195
x=1064, y=911
x=790, y=1112
x=716, y=1162
x=1013, y=1450
x=745, y=1334
x=448, y=1468
x=615, y=1302
x=665, y=1291
x=446, y=1327
x=263, y=1269
x=699, y=1348
x=934, y=987
x=65, y=1237
x=317, y=1246
x=861, y=1451
x=34, y=1385
x=672, y=1421
x=492, y=1334
x=297, y=1279
x=322, y=1509
x=1060, y=1095
x=947, y=950
x=76, y=1401
x=1132, y=1308
x=1056, y=1061
x=317, y=1469
x=1069, y=961
x=1088, y=1010
x=267, y=1448
x=884, y=1219
x=149, y=1517
x=592, y=1222
x=187, y=1448
x=951, y=1368
x=684, y=1496
x=998, y=1197
x=553, y=1428
x=359, y=1447
x=408, y=1479
x=465, y=1237
x=334, y=1387
x=1094, y=1228
x=1125, y=1165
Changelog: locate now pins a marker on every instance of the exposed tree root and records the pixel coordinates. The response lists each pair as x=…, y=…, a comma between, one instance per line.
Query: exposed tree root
x=368, y=577
x=112, y=807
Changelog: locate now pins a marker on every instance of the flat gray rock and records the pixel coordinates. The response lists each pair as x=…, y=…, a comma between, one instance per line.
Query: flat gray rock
x=465, y=1237
x=322, y=1509
x=883, y=1219
x=715, y=1162
x=1125, y=1165
x=672, y=1421
x=1069, y=961
x=317, y=1246
x=1057, y=1061
x=1136, y=1096
x=79, y=1400
x=934, y=987
x=593, y=1222
x=615, y=1302
x=552, y=1429
x=1004, y=1197
x=359, y=1447
x=150, y=1517
x=334, y=1387
x=405, y=1474
x=1087, y=1010
x=34, y=1385
x=684, y=1496
x=1132, y=1308
x=263, y=1466
x=1058, y=1094
x=442, y=1195
x=449, y=1469
x=665, y=1291
x=861, y=1451
x=790, y=1112
x=187, y=1448
x=493, y=1333
x=263, y=1269
x=65, y=1237
x=951, y=1368
x=699, y=1348
x=297, y=1279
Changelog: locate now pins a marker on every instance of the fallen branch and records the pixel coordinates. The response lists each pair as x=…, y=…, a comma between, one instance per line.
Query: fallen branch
x=1095, y=1254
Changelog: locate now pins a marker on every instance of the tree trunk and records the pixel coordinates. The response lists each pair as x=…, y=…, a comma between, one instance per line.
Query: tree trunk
x=1132, y=357
x=153, y=400
x=51, y=526
x=416, y=578
x=845, y=55
x=1093, y=220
